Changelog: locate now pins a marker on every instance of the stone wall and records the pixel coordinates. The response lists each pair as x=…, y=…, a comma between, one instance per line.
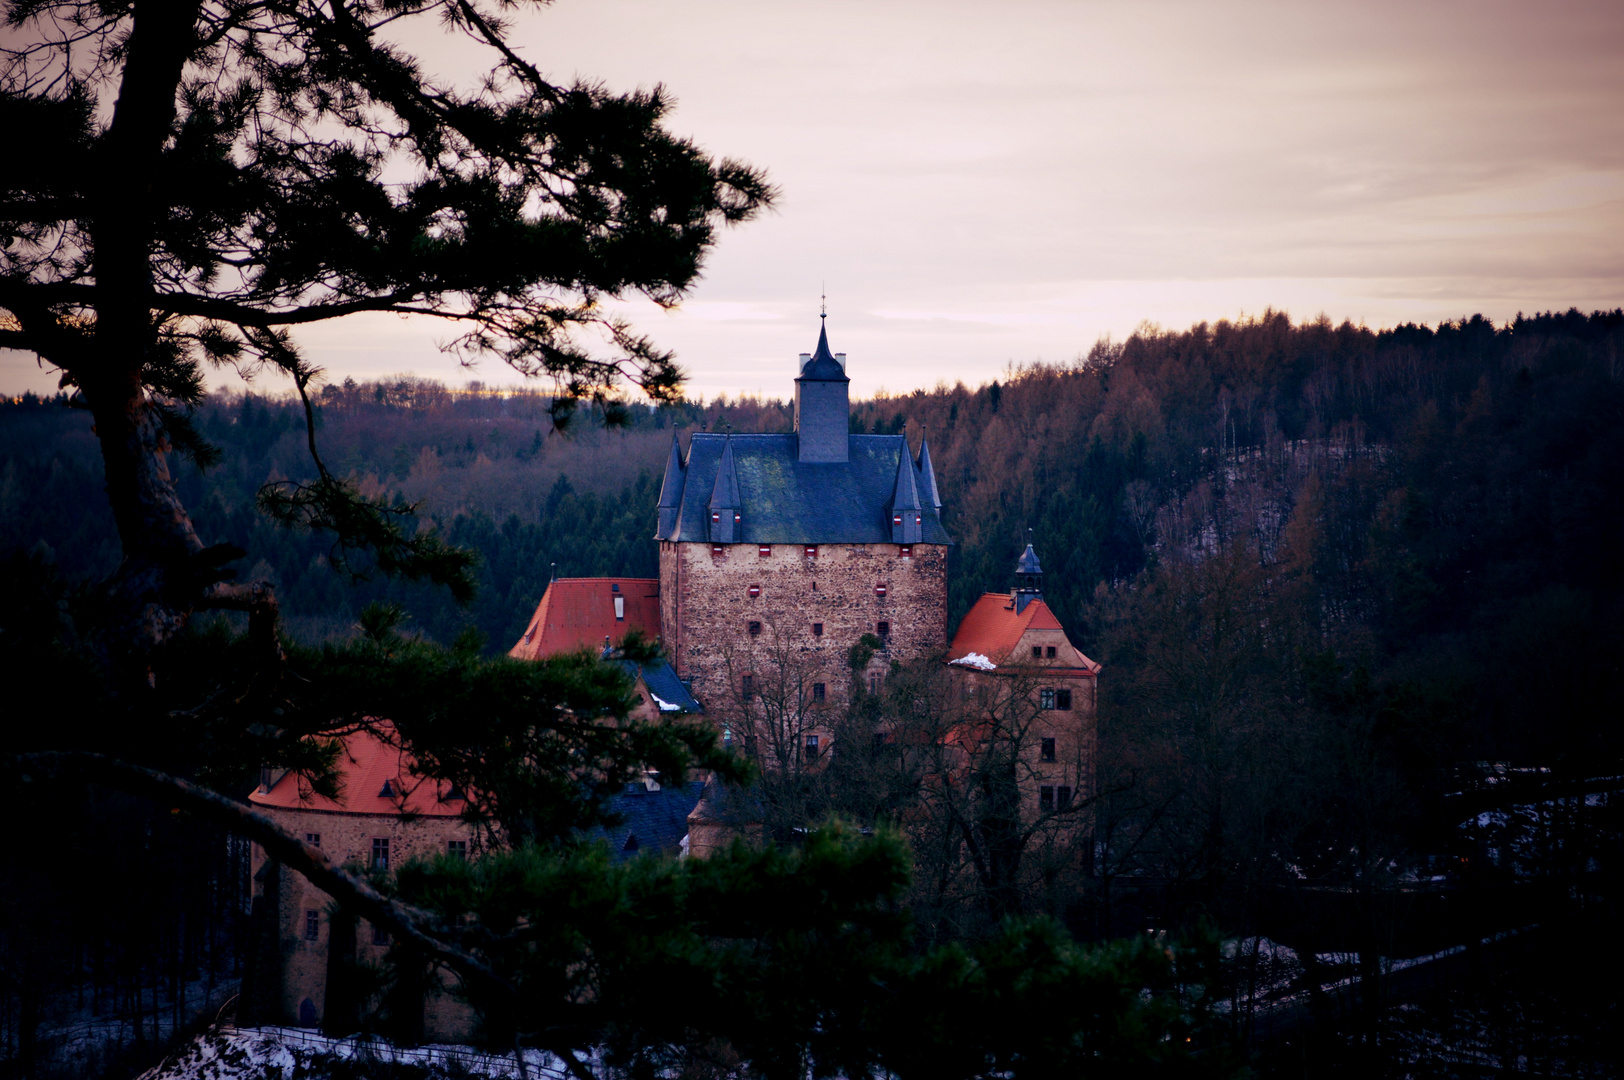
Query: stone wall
x=347, y=837
x=707, y=609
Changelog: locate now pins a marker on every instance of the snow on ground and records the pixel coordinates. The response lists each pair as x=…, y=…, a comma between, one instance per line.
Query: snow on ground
x=277, y=1053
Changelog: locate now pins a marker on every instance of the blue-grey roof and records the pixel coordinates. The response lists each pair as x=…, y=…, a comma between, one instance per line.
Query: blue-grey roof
x=650, y=821
x=1028, y=562
x=661, y=681
x=823, y=367
x=783, y=500
x=927, y=477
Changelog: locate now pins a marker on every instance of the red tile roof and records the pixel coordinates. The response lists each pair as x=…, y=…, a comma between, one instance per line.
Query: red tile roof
x=580, y=612
x=993, y=628
x=365, y=763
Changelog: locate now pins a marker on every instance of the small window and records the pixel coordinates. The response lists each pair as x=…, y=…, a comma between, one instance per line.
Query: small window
x=716, y=516
x=380, y=936
x=1047, y=753
x=812, y=745
x=1062, y=700
x=754, y=590
x=883, y=629
x=765, y=550
x=1046, y=697
x=817, y=629
x=817, y=691
x=1048, y=651
x=312, y=924
x=747, y=685
x=387, y=791
x=620, y=609
x=716, y=550
x=896, y=519
x=874, y=683
x=457, y=849
x=614, y=586
x=313, y=839
x=905, y=551
x=735, y=517
x=1062, y=797
x=1045, y=798
x=811, y=551
x=755, y=628
x=879, y=589
x=380, y=853
x=1037, y=652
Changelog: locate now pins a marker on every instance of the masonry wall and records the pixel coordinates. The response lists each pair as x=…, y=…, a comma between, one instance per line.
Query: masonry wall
x=706, y=608
x=347, y=837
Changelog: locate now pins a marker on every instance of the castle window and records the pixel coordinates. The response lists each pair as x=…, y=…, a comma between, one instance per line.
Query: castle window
x=1062, y=797
x=1045, y=798
x=457, y=849
x=755, y=628
x=614, y=587
x=817, y=691
x=1049, y=652
x=312, y=925
x=1037, y=652
x=1046, y=697
x=380, y=853
x=620, y=609
x=905, y=551
x=817, y=629
x=812, y=746
x=879, y=589
x=874, y=683
x=896, y=519
x=716, y=550
x=883, y=629
x=380, y=936
x=735, y=517
x=765, y=550
x=754, y=590
x=313, y=839
x=811, y=551
x=747, y=686
x=1047, y=752
x=1062, y=700
x=716, y=517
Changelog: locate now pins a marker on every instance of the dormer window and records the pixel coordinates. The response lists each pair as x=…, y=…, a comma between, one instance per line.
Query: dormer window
x=716, y=517
x=388, y=791
x=896, y=519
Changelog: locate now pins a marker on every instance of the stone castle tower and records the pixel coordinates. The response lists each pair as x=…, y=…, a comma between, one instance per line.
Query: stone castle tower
x=799, y=544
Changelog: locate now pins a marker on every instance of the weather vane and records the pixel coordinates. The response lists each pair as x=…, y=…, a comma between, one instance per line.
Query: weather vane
x=823, y=308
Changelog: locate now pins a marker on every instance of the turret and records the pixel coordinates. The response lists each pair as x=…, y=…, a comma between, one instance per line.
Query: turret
x=726, y=515
x=822, y=406
x=927, y=479
x=907, y=516
x=1028, y=578
x=676, y=475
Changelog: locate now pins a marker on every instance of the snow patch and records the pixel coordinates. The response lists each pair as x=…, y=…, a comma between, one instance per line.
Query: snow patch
x=273, y=1053
x=975, y=660
x=665, y=706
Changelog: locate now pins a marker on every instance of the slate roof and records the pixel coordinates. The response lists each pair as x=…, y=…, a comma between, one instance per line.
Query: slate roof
x=823, y=367
x=653, y=821
x=662, y=682
x=1028, y=562
x=366, y=762
x=577, y=613
x=783, y=500
x=993, y=627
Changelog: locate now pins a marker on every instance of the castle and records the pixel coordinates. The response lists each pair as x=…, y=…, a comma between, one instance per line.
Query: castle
x=778, y=554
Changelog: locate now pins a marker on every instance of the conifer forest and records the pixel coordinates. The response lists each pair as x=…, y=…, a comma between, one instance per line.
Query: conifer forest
x=1356, y=594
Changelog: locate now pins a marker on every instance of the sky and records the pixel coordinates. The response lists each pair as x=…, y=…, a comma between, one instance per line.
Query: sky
x=979, y=185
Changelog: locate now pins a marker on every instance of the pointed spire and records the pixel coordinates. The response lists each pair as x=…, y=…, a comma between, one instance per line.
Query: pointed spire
x=927, y=476
x=670, y=507
x=906, y=494
x=1028, y=576
x=822, y=367
x=726, y=492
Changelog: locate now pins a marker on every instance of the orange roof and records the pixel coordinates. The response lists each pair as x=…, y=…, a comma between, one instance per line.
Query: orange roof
x=365, y=763
x=580, y=612
x=993, y=628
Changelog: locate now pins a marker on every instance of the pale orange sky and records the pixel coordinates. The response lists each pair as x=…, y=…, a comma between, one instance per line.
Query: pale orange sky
x=987, y=183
